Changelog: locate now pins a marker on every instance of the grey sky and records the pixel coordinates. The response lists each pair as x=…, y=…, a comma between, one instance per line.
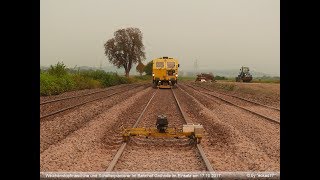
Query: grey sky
x=220, y=34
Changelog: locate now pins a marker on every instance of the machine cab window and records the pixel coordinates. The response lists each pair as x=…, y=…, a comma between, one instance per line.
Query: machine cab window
x=159, y=64
x=170, y=64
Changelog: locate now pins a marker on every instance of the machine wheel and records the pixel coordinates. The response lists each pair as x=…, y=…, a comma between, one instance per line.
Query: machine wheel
x=193, y=140
x=154, y=86
x=125, y=139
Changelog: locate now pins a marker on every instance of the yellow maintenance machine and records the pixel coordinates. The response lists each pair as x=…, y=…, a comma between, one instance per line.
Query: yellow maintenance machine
x=165, y=72
x=192, y=131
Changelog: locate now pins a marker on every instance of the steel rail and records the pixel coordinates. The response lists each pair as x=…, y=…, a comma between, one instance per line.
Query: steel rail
x=123, y=146
x=73, y=106
x=199, y=147
x=229, y=102
x=82, y=95
x=254, y=102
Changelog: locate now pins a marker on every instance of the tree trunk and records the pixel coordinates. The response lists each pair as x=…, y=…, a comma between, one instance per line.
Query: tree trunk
x=126, y=70
x=127, y=73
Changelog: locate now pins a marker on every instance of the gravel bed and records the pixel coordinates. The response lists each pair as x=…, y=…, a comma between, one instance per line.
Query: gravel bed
x=235, y=140
x=85, y=149
x=160, y=154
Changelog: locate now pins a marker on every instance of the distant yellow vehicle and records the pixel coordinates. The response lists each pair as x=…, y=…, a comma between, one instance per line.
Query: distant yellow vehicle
x=165, y=72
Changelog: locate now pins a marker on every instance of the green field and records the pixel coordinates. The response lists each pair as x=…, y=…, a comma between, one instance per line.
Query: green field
x=58, y=79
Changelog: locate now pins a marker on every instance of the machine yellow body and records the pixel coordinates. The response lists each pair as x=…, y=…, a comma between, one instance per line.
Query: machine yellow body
x=191, y=131
x=165, y=72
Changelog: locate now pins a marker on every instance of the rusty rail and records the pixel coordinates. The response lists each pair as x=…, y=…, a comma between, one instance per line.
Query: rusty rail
x=123, y=146
x=254, y=102
x=229, y=102
x=199, y=147
x=73, y=106
x=82, y=95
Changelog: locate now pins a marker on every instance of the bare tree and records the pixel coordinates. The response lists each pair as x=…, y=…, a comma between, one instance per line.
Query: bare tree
x=125, y=49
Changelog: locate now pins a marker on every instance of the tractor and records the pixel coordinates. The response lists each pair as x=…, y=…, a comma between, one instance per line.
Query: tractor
x=244, y=75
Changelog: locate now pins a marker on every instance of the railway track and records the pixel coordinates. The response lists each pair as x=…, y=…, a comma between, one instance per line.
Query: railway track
x=84, y=102
x=241, y=98
x=122, y=149
x=81, y=95
x=66, y=123
x=94, y=147
x=234, y=104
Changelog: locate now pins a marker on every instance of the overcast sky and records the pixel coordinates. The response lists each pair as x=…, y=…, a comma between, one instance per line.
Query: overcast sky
x=220, y=34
